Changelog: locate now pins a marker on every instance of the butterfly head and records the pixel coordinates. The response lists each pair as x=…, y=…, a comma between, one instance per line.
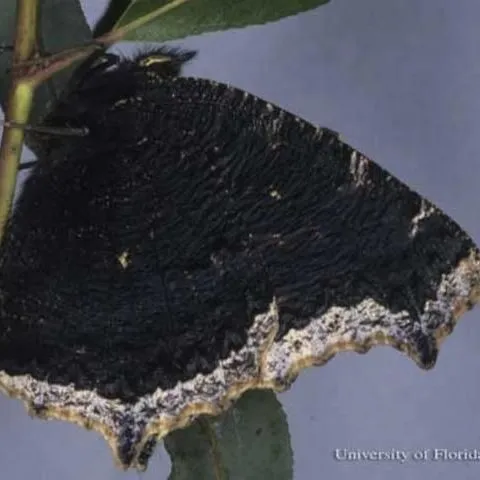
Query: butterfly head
x=105, y=80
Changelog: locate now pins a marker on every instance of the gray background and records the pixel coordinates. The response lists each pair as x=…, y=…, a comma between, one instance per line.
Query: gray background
x=401, y=82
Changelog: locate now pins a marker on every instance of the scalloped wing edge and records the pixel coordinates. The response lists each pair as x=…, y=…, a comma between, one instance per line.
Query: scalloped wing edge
x=261, y=363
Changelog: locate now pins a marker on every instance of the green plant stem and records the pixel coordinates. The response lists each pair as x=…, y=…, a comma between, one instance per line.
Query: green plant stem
x=120, y=32
x=40, y=69
x=19, y=103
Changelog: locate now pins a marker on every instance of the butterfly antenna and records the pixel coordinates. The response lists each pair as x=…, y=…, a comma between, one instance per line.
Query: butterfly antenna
x=26, y=165
x=5, y=48
x=62, y=131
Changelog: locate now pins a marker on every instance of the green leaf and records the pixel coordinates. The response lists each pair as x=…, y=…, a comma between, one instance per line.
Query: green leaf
x=196, y=16
x=248, y=442
x=63, y=25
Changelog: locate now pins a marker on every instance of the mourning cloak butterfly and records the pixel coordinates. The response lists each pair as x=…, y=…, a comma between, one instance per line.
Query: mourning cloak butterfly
x=200, y=242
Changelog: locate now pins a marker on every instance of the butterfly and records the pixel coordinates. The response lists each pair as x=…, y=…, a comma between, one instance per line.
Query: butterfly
x=198, y=242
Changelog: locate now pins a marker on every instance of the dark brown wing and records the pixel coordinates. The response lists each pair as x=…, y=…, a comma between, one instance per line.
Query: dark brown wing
x=201, y=242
